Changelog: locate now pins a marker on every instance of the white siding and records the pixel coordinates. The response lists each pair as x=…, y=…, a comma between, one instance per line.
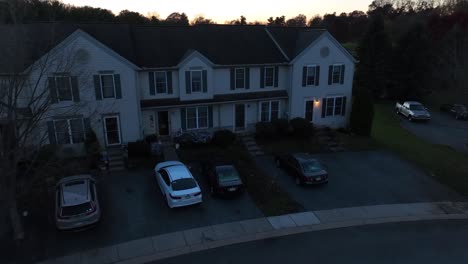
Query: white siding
x=143, y=81
x=195, y=63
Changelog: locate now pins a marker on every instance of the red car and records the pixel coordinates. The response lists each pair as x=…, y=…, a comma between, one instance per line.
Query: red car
x=304, y=168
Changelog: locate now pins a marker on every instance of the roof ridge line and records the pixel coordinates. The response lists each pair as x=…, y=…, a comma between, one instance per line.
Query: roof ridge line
x=277, y=44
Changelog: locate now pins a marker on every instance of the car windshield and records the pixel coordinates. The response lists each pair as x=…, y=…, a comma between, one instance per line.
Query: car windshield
x=77, y=209
x=183, y=184
x=416, y=107
x=227, y=174
x=311, y=166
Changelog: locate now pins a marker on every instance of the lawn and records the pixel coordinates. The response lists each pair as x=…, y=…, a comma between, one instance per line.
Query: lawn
x=441, y=162
x=267, y=194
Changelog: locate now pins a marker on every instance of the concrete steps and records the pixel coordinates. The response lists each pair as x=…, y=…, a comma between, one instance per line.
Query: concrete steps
x=116, y=159
x=251, y=145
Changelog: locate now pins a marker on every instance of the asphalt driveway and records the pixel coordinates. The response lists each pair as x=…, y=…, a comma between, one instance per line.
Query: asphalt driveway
x=442, y=129
x=362, y=178
x=133, y=208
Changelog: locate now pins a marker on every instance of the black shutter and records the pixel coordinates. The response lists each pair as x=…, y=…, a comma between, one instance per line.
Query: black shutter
x=169, y=82
x=330, y=74
x=317, y=75
x=342, y=74
x=276, y=75
x=262, y=77
x=205, y=81
x=51, y=132
x=152, y=88
x=75, y=89
x=97, y=87
x=247, y=78
x=210, y=116
x=188, y=89
x=52, y=90
x=343, y=110
x=324, y=106
x=304, y=76
x=233, y=79
x=183, y=121
x=87, y=125
x=118, y=88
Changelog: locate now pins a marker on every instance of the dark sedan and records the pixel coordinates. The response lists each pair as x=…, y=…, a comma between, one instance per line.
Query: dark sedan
x=304, y=168
x=458, y=111
x=223, y=179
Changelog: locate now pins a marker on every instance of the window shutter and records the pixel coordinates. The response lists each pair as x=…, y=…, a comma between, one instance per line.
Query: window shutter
x=97, y=87
x=233, y=79
x=188, y=89
x=118, y=88
x=152, y=88
x=262, y=77
x=52, y=89
x=51, y=132
x=205, y=81
x=324, y=106
x=87, y=126
x=247, y=78
x=343, y=110
x=276, y=76
x=75, y=89
x=210, y=116
x=317, y=75
x=169, y=82
x=330, y=74
x=304, y=76
x=183, y=119
x=342, y=74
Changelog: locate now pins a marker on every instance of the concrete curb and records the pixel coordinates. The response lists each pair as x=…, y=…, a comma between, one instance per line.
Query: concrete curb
x=199, y=239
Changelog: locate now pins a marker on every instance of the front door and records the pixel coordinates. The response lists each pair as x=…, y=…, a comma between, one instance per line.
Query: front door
x=112, y=130
x=163, y=123
x=239, y=117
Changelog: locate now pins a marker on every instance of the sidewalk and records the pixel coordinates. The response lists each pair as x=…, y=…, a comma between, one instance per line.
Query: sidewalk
x=198, y=239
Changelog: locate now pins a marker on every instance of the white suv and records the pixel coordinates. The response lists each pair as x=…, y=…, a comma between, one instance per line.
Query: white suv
x=76, y=203
x=177, y=184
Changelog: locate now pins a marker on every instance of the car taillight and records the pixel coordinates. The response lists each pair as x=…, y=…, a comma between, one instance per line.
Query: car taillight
x=175, y=197
x=197, y=194
x=92, y=209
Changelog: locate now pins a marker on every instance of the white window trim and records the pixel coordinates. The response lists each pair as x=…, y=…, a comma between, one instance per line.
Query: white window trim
x=196, y=118
x=269, y=110
x=334, y=105
x=273, y=77
x=305, y=108
x=235, y=78
x=70, y=135
x=57, y=89
x=307, y=74
x=165, y=81
x=339, y=65
x=201, y=81
x=113, y=83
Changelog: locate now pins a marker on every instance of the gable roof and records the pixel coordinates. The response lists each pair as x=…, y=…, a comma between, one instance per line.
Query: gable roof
x=293, y=40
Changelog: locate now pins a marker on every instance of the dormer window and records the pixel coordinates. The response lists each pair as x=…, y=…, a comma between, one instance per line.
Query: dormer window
x=196, y=81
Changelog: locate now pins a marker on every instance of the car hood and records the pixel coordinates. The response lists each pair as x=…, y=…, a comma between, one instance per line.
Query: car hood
x=230, y=183
x=419, y=112
x=319, y=173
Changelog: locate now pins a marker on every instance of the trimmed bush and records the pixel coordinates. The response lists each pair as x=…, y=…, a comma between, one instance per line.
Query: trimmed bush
x=301, y=128
x=223, y=138
x=139, y=149
x=92, y=149
x=282, y=126
x=265, y=130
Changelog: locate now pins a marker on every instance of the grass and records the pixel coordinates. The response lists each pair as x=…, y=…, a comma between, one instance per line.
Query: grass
x=356, y=143
x=269, y=197
x=441, y=162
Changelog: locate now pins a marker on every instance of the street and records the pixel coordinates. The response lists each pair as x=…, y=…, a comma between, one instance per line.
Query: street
x=412, y=242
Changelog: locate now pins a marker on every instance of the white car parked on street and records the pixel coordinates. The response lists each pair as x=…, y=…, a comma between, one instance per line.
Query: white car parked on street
x=177, y=184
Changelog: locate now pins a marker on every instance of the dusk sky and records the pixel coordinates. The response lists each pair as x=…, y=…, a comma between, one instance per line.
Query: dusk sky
x=221, y=10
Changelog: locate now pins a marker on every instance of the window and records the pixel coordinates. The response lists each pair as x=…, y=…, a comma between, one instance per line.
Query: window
x=107, y=85
x=64, y=88
x=269, y=111
x=197, y=117
x=310, y=78
x=335, y=106
x=160, y=82
x=196, y=81
x=269, y=76
x=69, y=131
x=165, y=177
x=336, y=74
x=240, y=78
x=309, y=110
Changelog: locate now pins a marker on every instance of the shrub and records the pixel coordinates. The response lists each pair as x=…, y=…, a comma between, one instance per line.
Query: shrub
x=92, y=149
x=265, y=130
x=301, y=128
x=223, y=138
x=362, y=113
x=138, y=149
x=151, y=138
x=282, y=126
